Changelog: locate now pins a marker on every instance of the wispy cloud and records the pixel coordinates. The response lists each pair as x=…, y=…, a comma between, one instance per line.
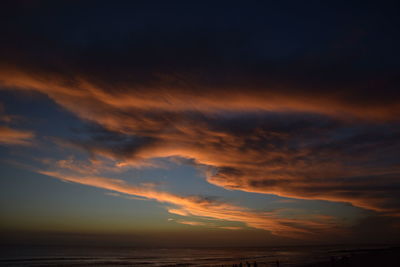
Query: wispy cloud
x=10, y=136
x=231, y=227
x=205, y=207
x=293, y=154
x=192, y=223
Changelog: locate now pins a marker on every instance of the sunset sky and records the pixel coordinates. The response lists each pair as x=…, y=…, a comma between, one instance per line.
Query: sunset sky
x=195, y=123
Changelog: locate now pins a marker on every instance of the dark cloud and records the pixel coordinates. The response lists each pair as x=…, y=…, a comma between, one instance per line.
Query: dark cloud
x=293, y=155
x=199, y=53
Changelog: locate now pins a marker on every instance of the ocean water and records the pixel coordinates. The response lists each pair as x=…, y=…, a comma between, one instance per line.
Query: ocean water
x=101, y=256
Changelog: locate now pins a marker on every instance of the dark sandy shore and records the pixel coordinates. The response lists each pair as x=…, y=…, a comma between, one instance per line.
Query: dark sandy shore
x=386, y=257
x=389, y=257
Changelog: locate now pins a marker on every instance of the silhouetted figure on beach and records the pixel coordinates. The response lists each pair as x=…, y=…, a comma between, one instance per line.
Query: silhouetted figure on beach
x=240, y=265
x=277, y=263
x=248, y=264
x=346, y=259
x=255, y=264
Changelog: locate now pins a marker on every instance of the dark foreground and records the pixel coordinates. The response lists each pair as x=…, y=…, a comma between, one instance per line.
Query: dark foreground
x=369, y=258
x=303, y=256
x=388, y=257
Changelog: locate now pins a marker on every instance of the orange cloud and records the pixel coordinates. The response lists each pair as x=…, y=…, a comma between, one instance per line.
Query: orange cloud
x=203, y=207
x=231, y=162
x=231, y=227
x=196, y=121
x=192, y=223
x=170, y=94
x=9, y=136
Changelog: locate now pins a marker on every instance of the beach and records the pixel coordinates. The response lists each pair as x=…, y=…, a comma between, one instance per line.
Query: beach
x=364, y=258
x=299, y=256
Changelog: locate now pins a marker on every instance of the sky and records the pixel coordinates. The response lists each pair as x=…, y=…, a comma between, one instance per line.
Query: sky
x=200, y=123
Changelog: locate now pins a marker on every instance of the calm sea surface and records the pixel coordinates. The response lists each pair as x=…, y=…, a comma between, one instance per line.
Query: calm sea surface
x=84, y=256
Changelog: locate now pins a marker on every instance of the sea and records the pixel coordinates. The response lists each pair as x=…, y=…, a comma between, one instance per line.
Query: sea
x=196, y=257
